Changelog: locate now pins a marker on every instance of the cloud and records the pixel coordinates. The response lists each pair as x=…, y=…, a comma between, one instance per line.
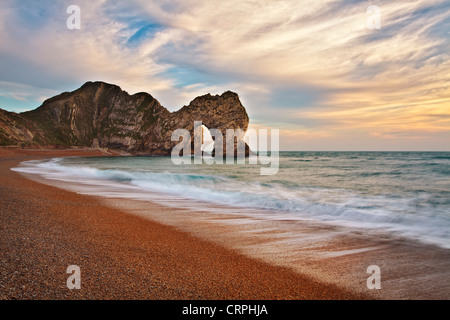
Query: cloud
x=360, y=75
x=310, y=67
x=47, y=54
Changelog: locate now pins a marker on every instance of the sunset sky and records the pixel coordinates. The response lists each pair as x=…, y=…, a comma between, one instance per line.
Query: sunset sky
x=311, y=68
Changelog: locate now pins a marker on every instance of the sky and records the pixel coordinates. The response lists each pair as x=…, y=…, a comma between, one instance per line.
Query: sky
x=311, y=68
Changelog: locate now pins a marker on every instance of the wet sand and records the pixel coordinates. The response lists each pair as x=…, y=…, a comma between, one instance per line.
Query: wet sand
x=45, y=229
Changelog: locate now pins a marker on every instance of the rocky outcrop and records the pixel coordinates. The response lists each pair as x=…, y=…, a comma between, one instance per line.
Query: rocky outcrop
x=101, y=115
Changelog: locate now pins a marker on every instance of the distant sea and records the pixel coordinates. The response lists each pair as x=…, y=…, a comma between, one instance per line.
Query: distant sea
x=404, y=193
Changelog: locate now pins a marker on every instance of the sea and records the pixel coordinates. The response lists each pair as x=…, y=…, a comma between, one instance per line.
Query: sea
x=406, y=194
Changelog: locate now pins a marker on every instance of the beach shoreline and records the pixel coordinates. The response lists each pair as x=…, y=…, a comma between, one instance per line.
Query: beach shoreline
x=301, y=259
x=122, y=256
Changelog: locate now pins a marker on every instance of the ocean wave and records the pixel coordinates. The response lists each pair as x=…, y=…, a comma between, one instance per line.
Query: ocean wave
x=341, y=206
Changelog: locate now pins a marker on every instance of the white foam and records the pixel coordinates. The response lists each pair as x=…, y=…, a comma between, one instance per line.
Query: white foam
x=335, y=206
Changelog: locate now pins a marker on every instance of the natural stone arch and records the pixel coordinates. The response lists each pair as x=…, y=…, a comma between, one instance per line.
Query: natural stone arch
x=215, y=112
x=102, y=115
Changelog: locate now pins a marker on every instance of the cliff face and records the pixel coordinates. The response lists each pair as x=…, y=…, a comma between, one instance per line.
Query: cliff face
x=102, y=115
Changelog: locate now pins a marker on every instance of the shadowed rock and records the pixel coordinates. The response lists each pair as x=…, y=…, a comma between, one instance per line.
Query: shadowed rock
x=101, y=115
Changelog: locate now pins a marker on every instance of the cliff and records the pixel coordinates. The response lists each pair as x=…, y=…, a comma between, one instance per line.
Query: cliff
x=101, y=115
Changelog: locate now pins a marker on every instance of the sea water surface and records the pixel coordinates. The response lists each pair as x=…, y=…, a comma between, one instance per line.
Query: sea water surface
x=405, y=193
